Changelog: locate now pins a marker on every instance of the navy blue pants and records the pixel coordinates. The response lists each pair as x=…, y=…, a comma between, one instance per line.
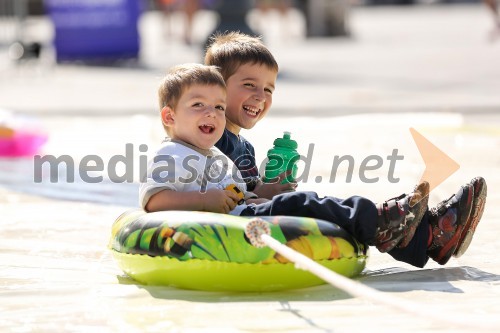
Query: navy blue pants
x=356, y=215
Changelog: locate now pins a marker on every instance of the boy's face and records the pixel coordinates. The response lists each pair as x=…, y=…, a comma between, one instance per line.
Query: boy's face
x=199, y=117
x=249, y=96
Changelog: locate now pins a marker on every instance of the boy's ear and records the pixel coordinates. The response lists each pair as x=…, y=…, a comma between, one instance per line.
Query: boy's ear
x=167, y=116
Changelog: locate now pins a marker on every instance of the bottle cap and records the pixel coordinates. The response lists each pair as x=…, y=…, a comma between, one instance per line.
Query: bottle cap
x=286, y=141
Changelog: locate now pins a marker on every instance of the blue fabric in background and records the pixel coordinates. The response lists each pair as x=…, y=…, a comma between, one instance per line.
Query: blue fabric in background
x=95, y=30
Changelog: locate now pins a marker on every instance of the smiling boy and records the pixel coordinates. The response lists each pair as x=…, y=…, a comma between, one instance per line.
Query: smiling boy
x=192, y=102
x=250, y=72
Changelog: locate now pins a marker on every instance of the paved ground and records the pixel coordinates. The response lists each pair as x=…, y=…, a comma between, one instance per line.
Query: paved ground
x=427, y=67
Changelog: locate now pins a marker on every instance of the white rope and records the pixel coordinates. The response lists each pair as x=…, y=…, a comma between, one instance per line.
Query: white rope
x=358, y=289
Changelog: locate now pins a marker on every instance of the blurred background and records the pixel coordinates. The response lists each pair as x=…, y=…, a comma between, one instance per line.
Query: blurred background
x=108, y=31
x=345, y=43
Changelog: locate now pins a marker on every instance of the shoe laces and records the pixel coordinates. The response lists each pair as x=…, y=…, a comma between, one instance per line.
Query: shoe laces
x=385, y=207
x=441, y=207
x=402, y=196
x=386, y=203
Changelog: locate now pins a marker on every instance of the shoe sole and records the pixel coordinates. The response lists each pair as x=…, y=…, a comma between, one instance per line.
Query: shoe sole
x=478, y=204
x=448, y=250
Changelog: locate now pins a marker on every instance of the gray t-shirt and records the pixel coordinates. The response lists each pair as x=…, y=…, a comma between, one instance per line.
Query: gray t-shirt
x=179, y=166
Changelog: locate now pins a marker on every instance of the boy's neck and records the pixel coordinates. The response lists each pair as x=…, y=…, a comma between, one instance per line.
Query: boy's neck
x=202, y=151
x=233, y=128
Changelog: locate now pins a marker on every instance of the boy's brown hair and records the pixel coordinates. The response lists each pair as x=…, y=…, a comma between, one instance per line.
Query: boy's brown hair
x=230, y=50
x=183, y=76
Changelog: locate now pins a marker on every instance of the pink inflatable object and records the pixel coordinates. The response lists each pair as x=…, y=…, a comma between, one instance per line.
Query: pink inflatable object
x=20, y=135
x=21, y=144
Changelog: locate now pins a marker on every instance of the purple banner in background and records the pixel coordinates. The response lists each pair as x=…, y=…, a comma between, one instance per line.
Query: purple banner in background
x=95, y=30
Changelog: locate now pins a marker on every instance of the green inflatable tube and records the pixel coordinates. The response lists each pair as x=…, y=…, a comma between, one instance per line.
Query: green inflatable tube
x=209, y=251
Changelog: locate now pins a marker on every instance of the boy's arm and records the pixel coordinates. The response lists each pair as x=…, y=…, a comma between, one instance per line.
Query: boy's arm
x=269, y=190
x=213, y=200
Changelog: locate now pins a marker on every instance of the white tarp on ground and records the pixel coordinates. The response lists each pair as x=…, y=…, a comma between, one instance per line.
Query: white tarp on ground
x=56, y=273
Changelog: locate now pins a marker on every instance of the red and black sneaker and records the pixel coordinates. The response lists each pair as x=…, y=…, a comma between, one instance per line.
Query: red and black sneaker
x=446, y=223
x=478, y=203
x=399, y=217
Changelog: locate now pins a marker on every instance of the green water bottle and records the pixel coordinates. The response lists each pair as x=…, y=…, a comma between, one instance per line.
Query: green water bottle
x=282, y=157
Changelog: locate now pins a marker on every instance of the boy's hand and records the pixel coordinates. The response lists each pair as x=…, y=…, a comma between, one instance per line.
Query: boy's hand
x=274, y=187
x=219, y=201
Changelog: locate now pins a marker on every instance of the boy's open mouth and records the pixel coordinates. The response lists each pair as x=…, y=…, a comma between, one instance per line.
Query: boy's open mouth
x=207, y=129
x=251, y=110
